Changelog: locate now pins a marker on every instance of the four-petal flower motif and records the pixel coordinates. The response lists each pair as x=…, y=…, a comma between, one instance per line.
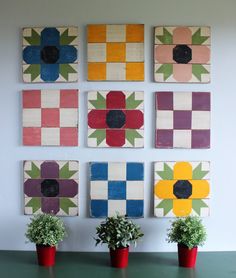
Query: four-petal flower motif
x=182, y=54
x=115, y=119
x=50, y=54
x=51, y=187
x=181, y=188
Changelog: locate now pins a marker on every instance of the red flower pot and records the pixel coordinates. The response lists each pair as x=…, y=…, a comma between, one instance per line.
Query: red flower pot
x=119, y=257
x=46, y=255
x=187, y=257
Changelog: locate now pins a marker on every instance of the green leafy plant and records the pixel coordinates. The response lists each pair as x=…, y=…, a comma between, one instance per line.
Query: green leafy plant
x=46, y=229
x=188, y=231
x=117, y=232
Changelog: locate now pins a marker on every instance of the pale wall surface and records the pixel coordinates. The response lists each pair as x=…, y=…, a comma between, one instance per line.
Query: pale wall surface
x=220, y=15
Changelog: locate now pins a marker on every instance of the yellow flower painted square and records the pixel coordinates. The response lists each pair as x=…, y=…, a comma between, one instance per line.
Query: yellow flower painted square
x=181, y=189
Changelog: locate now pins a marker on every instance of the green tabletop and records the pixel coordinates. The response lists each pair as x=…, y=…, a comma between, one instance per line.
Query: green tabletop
x=96, y=265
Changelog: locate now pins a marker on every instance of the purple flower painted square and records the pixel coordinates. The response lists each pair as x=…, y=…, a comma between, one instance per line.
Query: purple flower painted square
x=51, y=187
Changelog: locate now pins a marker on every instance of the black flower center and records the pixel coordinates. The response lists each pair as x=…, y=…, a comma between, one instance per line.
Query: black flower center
x=50, y=54
x=115, y=119
x=50, y=188
x=182, y=189
x=182, y=54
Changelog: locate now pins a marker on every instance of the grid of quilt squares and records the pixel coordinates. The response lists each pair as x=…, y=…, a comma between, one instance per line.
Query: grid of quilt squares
x=50, y=117
x=183, y=120
x=116, y=187
x=115, y=52
x=182, y=54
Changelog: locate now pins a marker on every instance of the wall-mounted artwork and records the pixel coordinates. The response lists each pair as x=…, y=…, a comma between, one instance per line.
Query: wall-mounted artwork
x=116, y=187
x=182, y=54
x=50, y=54
x=50, y=117
x=181, y=189
x=115, y=119
x=51, y=187
x=183, y=120
x=115, y=52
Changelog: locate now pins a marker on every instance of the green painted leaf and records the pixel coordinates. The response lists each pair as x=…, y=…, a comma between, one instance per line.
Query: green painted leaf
x=166, y=38
x=198, y=70
x=34, y=203
x=197, y=205
x=198, y=173
x=66, y=204
x=34, y=173
x=65, y=39
x=99, y=134
x=166, y=70
x=99, y=103
x=131, y=135
x=131, y=103
x=167, y=173
x=166, y=205
x=34, y=70
x=197, y=38
x=65, y=69
x=34, y=39
x=65, y=173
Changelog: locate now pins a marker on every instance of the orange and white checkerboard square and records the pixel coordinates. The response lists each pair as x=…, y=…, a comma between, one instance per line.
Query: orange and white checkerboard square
x=115, y=52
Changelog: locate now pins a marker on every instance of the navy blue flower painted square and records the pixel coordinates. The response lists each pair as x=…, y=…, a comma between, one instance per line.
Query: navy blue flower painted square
x=50, y=54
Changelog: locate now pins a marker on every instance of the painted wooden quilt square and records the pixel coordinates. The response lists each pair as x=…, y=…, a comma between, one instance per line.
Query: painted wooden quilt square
x=115, y=52
x=183, y=120
x=51, y=187
x=50, y=54
x=115, y=119
x=182, y=54
x=116, y=187
x=181, y=188
x=50, y=117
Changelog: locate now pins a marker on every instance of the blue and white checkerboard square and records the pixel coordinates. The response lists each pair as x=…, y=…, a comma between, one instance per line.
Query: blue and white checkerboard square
x=117, y=187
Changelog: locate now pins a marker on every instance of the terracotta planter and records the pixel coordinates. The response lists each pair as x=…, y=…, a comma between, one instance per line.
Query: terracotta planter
x=119, y=257
x=46, y=255
x=187, y=257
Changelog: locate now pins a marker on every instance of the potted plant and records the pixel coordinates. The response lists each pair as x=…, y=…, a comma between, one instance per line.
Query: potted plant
x=188, y=233
x=46, y=231
x=118, y=233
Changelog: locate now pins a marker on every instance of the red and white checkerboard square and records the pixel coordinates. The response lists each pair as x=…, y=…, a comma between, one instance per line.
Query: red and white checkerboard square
x=50, y=117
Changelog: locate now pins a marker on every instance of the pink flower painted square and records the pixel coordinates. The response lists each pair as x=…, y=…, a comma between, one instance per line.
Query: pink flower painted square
x=182, y=54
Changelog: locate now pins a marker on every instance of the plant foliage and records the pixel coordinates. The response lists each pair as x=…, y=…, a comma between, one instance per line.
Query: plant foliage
x=46, y=229
x=188, y=231
x=117, y=232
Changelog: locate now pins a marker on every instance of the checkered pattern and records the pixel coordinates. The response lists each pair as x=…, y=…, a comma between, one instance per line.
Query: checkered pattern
x=116, y=52
x=116, y=187
x=182, y=54
x=183, y=120
x=50, y=117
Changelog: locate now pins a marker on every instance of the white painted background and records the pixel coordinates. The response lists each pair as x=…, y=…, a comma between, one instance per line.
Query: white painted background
x=220, y=15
